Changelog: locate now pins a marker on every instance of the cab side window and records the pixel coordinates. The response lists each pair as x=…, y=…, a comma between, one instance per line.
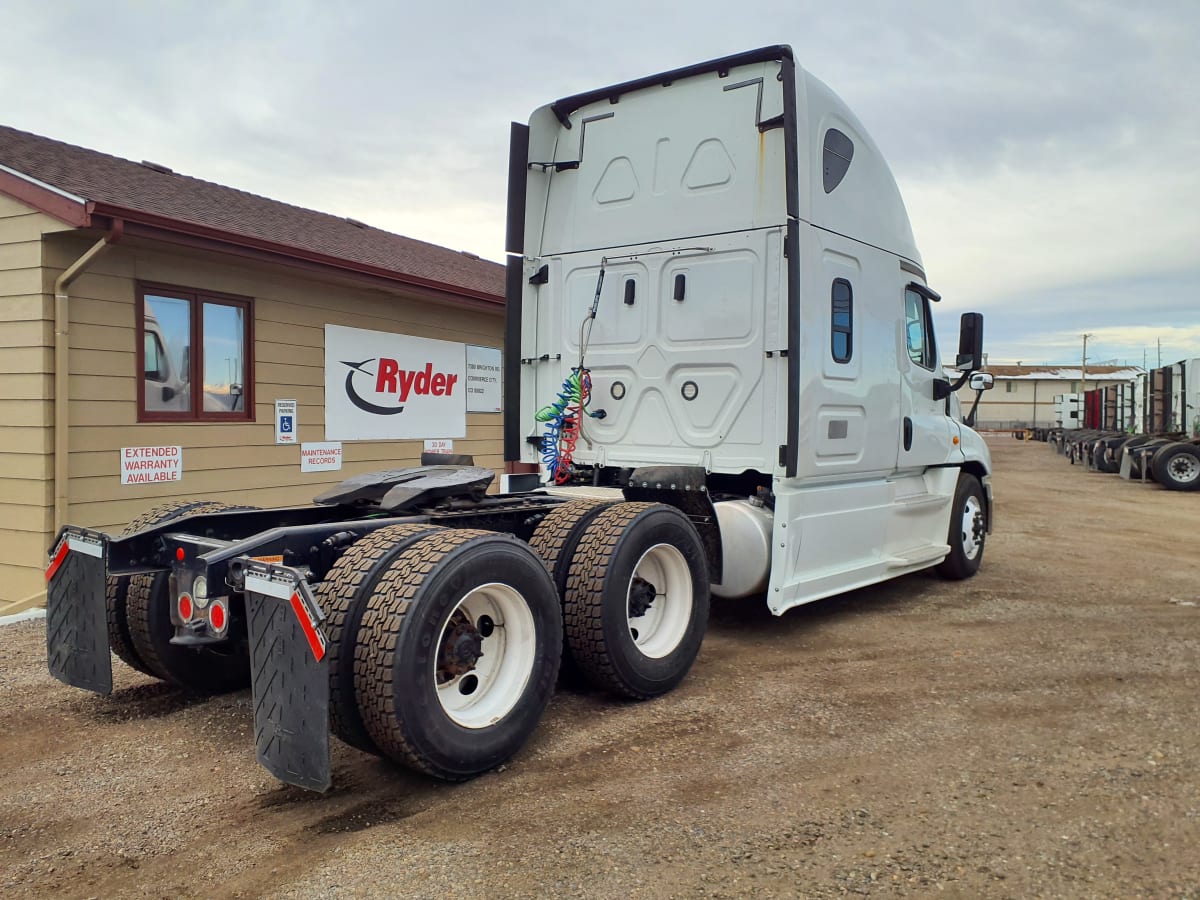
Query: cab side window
x=842, y=321
x=918, y=329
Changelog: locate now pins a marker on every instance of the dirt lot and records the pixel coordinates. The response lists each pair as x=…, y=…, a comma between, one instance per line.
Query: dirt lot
x=1031, y=732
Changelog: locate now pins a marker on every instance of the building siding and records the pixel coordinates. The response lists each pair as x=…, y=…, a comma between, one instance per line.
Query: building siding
x=235, y=462
x=26, y=402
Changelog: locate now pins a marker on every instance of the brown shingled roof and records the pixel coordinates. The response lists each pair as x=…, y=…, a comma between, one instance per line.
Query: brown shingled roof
x=126, y=189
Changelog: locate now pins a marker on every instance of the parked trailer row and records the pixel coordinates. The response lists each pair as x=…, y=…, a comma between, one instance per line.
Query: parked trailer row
x=1146, y=429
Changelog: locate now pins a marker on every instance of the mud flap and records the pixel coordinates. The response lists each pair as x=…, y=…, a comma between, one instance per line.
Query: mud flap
x=76, y=621
x=289, y=675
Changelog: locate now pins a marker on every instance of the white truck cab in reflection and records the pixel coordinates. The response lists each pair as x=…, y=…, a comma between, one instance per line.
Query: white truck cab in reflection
x=166, y=390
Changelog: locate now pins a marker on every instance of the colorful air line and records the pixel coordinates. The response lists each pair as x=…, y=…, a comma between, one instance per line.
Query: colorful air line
x=562, y=419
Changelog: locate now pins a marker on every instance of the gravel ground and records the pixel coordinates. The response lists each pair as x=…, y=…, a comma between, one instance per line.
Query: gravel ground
x=1031, y=732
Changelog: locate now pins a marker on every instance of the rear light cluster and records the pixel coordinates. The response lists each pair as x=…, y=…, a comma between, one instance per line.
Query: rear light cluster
x=199, y=606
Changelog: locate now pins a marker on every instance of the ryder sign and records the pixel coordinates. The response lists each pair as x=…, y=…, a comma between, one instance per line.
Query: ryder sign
x=382, y=387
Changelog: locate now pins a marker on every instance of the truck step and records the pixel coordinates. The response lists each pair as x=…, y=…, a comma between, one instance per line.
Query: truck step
x=918, y=556
x=921, y=502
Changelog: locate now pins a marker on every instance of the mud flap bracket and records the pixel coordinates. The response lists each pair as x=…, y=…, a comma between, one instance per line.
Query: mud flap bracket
x=288, y=673
x=76, y=618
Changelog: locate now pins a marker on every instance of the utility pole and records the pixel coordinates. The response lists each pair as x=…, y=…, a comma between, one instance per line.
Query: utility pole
x=1083, y=380
x=1160, y=353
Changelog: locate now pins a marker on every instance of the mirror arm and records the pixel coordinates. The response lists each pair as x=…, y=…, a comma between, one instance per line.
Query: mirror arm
x=962, y=379
x=969, y=421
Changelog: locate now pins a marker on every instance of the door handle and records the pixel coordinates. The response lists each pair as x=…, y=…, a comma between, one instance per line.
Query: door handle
x=907, y=433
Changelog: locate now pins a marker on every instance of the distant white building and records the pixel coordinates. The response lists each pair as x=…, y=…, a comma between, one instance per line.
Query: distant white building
x=1024, y=395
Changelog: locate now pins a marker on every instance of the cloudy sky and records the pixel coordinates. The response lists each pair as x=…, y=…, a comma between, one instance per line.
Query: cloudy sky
x=1049, y=152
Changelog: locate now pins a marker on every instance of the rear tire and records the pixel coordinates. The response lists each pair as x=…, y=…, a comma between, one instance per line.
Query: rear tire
x=555, y=541
x=968, y=530
x=344, y=595
x=637, y=599
x=1101, y=461
x=1177, y=467
x=212, y=669
x=116, y=588
x=458, y=653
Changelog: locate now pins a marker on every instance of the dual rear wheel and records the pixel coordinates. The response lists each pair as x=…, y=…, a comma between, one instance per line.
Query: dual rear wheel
x=138, y=609
x=445, y=644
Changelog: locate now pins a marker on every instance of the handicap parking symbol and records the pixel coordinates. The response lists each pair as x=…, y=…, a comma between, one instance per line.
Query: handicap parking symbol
x=285, y=424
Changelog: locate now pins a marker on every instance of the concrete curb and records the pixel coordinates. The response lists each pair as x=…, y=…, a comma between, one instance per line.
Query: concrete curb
x=22, y=617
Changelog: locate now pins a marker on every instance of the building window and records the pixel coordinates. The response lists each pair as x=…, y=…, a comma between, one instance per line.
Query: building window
x=1074, y=387
x=918, y=328
x=842, y=321
x=1009, y=387
x=194, y=354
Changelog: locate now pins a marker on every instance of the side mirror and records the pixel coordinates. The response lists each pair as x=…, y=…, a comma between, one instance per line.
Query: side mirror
x=982, y=381
x=168, y=394
x=970, y=343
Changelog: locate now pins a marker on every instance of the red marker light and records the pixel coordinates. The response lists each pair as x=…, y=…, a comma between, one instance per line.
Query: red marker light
x=179, y=553
x=185, y=607
x=216, y=617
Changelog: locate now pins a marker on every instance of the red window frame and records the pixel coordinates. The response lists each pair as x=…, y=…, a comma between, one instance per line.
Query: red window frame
x=196, y=300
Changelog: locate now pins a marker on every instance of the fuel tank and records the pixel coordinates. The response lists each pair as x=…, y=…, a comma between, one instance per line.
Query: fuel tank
x=746, y=528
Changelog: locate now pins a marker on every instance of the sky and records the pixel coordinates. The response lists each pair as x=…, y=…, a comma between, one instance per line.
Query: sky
x=1048, y=152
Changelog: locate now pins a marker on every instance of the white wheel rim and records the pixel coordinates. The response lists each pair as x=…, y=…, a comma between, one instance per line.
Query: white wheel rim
x=972, y=514
x=1184, y=468
x=658, y=631
x=487, y=693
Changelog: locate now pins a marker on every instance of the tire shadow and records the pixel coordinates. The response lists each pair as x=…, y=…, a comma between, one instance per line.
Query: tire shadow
x=152, y=700
x=752, y=616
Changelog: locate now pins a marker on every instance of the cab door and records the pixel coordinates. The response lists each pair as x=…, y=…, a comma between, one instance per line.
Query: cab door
x=924, y=425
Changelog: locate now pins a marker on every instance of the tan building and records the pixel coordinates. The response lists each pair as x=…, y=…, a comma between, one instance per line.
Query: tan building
x=1023, y=396
x=109, y=267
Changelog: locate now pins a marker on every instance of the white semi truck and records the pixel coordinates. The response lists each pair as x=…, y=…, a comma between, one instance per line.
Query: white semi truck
x=720, y=354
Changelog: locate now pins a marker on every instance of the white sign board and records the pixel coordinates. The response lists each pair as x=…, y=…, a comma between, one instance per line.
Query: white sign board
x=323, y=456
x=150, y=465
x=439, y=445
x=383, y=387
x=286, y=422
x=484, y=368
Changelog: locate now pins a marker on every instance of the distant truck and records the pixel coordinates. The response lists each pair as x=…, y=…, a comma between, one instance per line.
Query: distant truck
x=719, y=350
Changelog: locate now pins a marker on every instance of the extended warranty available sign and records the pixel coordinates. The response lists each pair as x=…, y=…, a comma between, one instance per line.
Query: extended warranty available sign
x=391, y=379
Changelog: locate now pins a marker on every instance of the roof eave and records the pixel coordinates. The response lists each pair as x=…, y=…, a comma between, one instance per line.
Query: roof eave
x=152, y=225
x=45, y=198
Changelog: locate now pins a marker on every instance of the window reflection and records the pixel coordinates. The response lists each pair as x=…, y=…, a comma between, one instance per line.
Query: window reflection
x=224, y=363
x=914, y=325
x=168, y=345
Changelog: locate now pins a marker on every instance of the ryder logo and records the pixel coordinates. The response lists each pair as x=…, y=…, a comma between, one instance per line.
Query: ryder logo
x=383, y=386
x=390, y=378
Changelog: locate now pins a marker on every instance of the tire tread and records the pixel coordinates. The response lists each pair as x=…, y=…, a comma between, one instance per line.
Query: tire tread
x=582, y=614
x=356, y=570
x=375, y=654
